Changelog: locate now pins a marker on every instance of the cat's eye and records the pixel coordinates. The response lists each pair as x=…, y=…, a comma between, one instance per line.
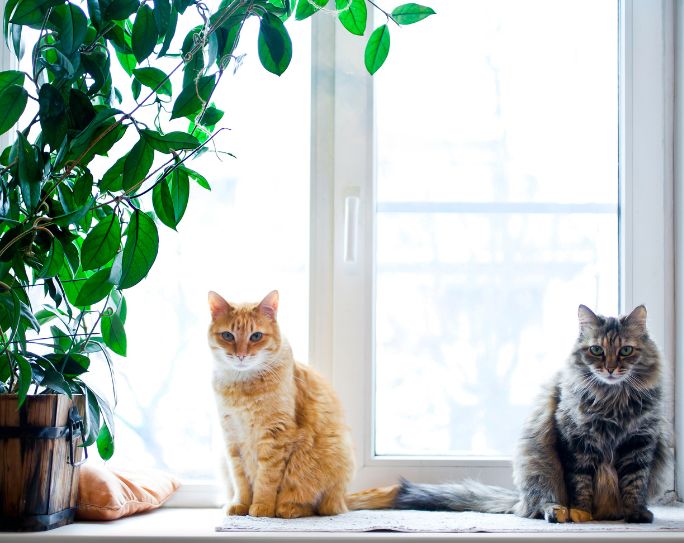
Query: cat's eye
x=626, y=350
x=228, y=336
x=596, y=350
x=256, y=336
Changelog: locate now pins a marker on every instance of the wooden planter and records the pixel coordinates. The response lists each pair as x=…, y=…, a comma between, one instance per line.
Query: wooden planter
x=39, y=458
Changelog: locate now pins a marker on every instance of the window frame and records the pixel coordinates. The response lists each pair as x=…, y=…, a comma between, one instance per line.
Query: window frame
x=342, y=289
x=341, y=294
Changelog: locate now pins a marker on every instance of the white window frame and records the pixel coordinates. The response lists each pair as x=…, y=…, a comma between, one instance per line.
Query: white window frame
x=342, y=242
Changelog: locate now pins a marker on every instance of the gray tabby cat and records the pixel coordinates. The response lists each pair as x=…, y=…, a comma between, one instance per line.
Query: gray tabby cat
x=596, y=445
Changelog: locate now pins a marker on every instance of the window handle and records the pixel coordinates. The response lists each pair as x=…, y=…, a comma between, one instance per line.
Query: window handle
x=351, y=228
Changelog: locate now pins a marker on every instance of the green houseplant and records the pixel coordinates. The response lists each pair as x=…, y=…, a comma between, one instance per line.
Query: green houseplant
x=86, y=181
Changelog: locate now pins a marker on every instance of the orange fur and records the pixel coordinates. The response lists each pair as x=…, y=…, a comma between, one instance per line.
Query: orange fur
x=289, y=450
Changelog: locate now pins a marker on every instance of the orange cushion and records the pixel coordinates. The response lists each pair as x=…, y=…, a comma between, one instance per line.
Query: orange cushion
x=105, y=494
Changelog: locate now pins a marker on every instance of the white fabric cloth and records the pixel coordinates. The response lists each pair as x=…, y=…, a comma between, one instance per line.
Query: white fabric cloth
x=668, y=518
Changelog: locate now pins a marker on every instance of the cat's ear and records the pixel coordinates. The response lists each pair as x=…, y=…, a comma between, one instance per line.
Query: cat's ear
x=269, y=305
x=217, y=305
x=587, y=318
x=637, y=317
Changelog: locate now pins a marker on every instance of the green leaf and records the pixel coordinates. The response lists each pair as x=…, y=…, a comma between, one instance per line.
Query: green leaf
x=154, y=78
x=353, y=15
x=193, y=61
x=140, y=251
x=275, y=45
x=173, y=141
x=407, y=14
x=306, y=8
x=119, y=10
x=128, y=62
x=75, y=216
x=74, y=364
x=95, y=13
x=96, y=288
x=136, y=88
x=29, y=12
x=11, y=77
x=180, y=193
x=113, y=333
x=29, y=171
x=92, y=416
x=105, y=443
x=12, y=104
x=102, y=243
x=54, y=261
x=163, y=204
x=71, y=24
x=377, y=49
x=83, y=188
x=25, y=378
x=144, y=35
x=192, y=98
x=52, y=378
x=212, y=116
x=170, y=32
x=53, y=115
x=102, y=121
x=162, y=15
x=81, y=110
x=112, y=180
x=198, y=177
x=137, y=164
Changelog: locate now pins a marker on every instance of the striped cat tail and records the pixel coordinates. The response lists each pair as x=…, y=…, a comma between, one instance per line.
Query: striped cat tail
x=373, y=498
x=465, y=496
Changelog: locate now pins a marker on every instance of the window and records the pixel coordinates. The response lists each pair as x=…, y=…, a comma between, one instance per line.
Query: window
x=495, y=215
x=512, y=163
x=414, y=267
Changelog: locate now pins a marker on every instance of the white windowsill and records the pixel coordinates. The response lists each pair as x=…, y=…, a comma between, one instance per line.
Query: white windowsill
x=172, y=525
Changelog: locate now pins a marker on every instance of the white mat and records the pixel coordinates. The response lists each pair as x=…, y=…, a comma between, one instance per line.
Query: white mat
x=670, y=518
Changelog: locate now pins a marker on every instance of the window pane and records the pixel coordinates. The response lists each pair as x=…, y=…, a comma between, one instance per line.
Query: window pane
x=246, y=237
x=497, y=193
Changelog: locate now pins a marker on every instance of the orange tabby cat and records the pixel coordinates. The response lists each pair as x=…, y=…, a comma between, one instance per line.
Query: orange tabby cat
x=289, y=450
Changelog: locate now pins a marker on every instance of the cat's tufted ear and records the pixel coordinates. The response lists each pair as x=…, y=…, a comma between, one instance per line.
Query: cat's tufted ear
x=587, y=318
x=269, y=305
x=637, y=317
x=217, y=305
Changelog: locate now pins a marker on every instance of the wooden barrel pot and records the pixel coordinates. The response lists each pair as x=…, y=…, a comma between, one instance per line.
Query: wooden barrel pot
x=39, y=459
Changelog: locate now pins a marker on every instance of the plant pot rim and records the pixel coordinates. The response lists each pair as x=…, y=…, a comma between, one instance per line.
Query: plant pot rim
x=38, y=395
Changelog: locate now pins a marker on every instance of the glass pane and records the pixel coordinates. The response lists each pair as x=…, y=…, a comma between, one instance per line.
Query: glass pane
x=497, y=193
x=246, y=237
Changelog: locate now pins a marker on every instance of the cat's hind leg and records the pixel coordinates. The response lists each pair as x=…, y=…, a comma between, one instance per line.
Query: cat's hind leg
x=333, y=501
x=295, y=498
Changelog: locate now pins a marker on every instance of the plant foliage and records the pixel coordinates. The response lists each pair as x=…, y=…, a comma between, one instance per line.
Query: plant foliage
x=79, y=227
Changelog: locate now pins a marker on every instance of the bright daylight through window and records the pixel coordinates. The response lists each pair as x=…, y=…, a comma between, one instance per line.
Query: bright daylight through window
x=496, y=215
x=497, y=192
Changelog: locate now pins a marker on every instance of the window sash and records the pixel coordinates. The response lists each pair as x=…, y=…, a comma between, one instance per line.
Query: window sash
x=341, y=307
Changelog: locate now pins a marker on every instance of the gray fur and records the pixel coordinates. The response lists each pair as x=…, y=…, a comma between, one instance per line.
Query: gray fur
x=596, y=441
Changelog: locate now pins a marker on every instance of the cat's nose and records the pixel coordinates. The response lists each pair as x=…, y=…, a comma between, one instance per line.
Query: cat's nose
x=242, y=357
x=610, y=370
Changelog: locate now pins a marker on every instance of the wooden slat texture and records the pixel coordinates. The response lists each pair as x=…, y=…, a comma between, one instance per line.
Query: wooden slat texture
x=35, y=475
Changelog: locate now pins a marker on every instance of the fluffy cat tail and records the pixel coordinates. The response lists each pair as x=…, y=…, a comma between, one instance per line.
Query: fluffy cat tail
x=466, y=496
x=373, y=498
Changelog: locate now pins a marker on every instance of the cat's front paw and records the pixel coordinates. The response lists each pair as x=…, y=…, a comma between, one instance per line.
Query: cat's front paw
x=556, y=513
x=261, y=510
x=579, y=515
x=640, y=516
x=237, y=509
